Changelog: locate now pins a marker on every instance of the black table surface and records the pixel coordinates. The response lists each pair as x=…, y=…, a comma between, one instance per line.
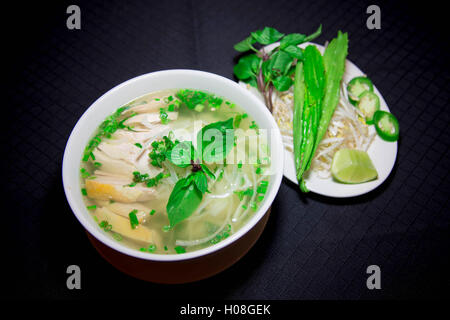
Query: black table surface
x=313, y=247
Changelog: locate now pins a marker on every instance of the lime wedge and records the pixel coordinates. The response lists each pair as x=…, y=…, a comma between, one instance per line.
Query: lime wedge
x=352, y=166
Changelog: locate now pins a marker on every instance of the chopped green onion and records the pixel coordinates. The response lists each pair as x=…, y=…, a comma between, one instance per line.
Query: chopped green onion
x=237, y=120
x=84, y=173
x=163, y=116
x=134, y=222
x=150, y=182
x=262, y=188
x=93, y=207
x=180, y=249
x=254, y=126
x=199, y=107
x=220, y=176
x=83, y=192
x=152, y=212
x=138, y=145
x=117, y=236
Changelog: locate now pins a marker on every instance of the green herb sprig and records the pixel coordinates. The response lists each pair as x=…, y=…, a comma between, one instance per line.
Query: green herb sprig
x=274, y=69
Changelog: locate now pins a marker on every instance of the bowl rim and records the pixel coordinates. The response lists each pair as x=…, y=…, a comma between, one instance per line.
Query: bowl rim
x=105, y=239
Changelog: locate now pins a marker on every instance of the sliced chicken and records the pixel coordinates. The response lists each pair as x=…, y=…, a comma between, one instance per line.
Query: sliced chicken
x=124, y=159
x=149, y=119
x=122, y=225
x=121, y=151
x=124, y=209
x=150, y=134
x=107, y=186
x=114, y=166
x=152, y=106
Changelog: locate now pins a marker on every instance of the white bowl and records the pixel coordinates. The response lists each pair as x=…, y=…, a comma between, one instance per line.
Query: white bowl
x=139, y=86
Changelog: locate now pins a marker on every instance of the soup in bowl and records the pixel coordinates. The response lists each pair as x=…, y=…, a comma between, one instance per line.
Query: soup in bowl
x=173, y=166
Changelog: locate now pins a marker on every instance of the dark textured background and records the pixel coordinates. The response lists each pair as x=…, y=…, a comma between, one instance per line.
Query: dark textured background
x=313, y=247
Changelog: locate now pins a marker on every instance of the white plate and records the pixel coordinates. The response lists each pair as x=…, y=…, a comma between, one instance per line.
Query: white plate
x=382, y=153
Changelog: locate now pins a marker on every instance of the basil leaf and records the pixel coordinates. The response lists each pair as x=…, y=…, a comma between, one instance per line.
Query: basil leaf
x=247, y=66
x=294, y=51
x=314, y=35
x=267, y=35
x=245, y=44
x=181, y=154
x=292, y=39
x=216, y=140
x=207, y=171
x=200, y=181
x=183, y=201
x=282, y=83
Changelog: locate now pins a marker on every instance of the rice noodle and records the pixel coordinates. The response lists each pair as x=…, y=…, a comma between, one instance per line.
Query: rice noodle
x=189, y=243
x=238, y=215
